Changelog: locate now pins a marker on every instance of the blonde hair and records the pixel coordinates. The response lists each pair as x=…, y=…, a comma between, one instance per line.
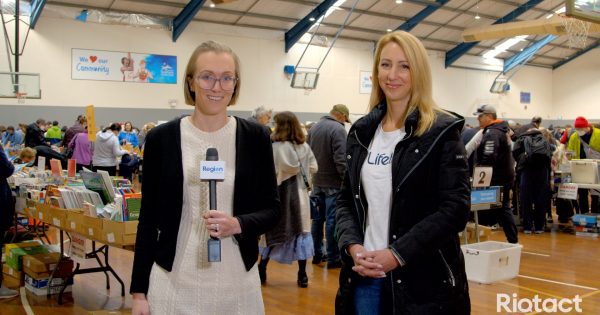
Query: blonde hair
x=209, y=46
x=27, y=153
x=421, y=93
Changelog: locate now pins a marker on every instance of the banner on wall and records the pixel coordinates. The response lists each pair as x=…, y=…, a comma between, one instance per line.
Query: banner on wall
x=102, y=65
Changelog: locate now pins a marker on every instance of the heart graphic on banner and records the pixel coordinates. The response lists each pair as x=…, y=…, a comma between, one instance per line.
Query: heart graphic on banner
x=93, y=58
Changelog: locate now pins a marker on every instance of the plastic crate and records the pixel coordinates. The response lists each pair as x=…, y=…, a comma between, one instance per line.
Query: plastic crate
x=491, y=261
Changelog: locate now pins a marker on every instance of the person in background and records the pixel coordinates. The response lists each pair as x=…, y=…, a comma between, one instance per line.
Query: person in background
x=35, y=134
x=26, y=156
x=534, y=179
x=12, y=137
x=7, y=212
x=585, y=144
x=2, y=131
x=107, y=149
x=171, y=273
x=291, y=240
x=145, y=129
x=54, y=134
x=127, y=135
x=327, y=139
x=495, y=151
x=536, y=123
x=405, y=195
x=79, y=126
x=262, y=116
x=81, y=147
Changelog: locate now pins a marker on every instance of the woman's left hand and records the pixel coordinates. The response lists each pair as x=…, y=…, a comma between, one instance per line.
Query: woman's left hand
x=221, y=224
x=385, y=258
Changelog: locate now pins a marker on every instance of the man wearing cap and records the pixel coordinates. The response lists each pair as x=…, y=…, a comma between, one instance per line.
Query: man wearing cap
x=495, y=151
x=327, y=139
x=585, y=143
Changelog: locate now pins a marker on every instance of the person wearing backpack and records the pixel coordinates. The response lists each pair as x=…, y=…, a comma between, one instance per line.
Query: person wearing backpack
x=585, y=142
x=533, y=154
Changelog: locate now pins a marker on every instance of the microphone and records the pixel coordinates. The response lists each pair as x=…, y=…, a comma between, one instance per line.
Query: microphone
x=213, y=170
x=212, y=155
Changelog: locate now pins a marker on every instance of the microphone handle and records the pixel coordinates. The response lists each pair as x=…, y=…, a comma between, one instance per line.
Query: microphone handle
x=212, y=191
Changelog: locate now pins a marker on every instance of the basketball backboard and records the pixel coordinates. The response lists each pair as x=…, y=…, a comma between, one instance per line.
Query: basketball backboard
x=19, y=85
x=588, y=10
x=305, y=80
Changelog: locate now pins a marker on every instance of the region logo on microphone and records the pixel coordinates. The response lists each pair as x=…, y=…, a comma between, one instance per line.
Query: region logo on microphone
x=212, y=170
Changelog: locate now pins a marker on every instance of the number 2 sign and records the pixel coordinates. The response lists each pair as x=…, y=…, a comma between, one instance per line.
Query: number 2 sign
x=482, y=176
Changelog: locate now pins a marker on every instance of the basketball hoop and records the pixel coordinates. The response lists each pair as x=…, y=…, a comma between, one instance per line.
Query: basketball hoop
x=577, y=31
x=21, y=96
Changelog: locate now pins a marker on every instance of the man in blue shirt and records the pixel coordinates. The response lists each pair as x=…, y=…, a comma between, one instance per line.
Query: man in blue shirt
x=12, y=136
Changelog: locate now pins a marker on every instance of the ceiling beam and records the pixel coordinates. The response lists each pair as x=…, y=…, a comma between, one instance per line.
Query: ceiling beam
x=578, y=54
x=419, y=17
x=181, y=21
x=295, y=33
x=36, y=10
x=523, y=56
x=453, y=54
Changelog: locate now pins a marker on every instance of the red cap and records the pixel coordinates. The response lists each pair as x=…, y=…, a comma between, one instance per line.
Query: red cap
x=581, y=122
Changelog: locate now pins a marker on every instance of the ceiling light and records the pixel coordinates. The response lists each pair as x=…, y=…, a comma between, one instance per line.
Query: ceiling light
x=312, y=19
x=212, y=5
x=477, y=17
x=398, y=1
x=504, y=46
x=389, y=30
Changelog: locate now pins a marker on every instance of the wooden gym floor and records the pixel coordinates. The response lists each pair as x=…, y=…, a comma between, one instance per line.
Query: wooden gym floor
x=553, y=265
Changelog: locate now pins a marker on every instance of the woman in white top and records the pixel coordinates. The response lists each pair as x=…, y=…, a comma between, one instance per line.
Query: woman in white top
x=107, y=149
x=295, y=163
x=171, y=271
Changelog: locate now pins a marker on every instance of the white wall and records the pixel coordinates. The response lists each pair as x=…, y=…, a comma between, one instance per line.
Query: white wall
x=576, y=89
x=463, y=90
x=48, y=52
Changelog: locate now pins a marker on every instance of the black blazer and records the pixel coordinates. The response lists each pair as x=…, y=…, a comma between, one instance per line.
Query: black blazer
x=255, y=200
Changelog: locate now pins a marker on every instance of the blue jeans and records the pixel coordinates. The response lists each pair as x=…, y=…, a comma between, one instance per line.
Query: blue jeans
x=367, y=296
x=327, y=199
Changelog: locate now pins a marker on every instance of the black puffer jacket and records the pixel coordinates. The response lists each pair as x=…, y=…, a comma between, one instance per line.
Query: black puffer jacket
x=430, y=205
x=495, y=151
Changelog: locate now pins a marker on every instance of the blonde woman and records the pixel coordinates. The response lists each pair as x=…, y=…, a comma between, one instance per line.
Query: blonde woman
x=405, y=195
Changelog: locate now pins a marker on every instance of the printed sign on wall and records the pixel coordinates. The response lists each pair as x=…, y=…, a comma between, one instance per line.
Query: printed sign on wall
x=101, y=65
x=365, y=82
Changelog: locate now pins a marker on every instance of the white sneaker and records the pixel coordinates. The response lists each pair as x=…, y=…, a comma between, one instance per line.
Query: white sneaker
x=6, y=293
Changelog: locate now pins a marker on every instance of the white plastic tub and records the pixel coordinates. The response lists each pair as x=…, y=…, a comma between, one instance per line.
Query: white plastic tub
x=491, y=261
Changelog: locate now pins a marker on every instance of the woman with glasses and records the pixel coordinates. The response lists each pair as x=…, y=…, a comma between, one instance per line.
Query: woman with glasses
x=405, y=195
x=171, y=272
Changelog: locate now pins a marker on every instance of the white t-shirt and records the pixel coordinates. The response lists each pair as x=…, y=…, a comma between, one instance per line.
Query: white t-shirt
x=376, y=176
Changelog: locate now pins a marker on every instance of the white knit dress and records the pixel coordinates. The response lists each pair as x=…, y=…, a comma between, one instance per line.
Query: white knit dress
x=195, y=286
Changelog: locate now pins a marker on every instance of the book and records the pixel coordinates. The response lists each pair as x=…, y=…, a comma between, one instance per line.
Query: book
x=71, y=168
x=56, y=167
x=94, y=182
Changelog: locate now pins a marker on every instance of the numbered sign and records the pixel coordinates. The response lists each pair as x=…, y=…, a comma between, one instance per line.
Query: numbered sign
x=482, y=176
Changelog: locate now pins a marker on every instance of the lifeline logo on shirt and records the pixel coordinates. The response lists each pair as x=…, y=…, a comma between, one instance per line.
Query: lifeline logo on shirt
x=380, y=159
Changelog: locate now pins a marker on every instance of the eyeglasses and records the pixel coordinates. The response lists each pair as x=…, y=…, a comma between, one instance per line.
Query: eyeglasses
x=207, y=82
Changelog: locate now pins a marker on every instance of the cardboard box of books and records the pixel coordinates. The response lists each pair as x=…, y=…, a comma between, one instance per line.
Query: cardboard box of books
x=58, y=217
x=15, y=252
x=92, y=227
x=120, y=233
x=11, y=282
x=41, y=262
x=16, y=276
x=40, y=286
x=43, y=212
x=75, y=221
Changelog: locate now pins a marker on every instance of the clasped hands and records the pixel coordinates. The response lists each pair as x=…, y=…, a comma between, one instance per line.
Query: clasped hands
x=372, y=264
x=220, y=224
